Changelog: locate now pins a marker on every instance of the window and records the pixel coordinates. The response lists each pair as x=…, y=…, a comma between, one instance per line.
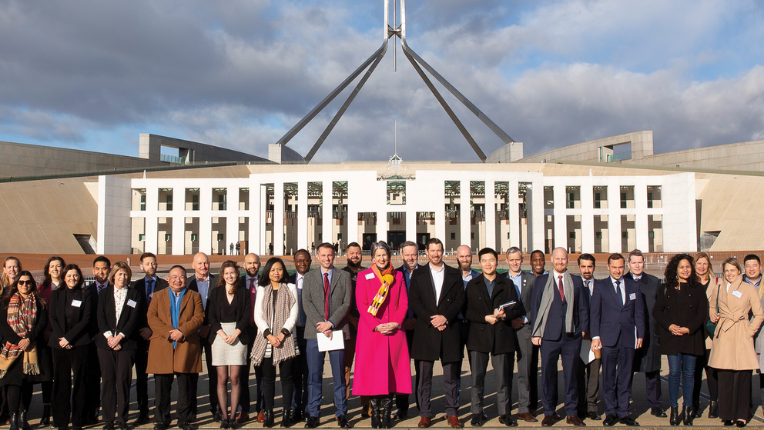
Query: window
x=649, y=200
x=143, y=202
x=339, y=236
x=194, y=237
x=572, y=234
x=453, y=236
x=195, y=202
x=569, y=204
x=597, y=201
x=169, y=202
x=507, y=235
x=472, y=235
x=651, y=235
x=220, y=237
x=598, y=235
x=625, y=234
x=221, y=203
x=142, y=237
x=623, y=200
x=167, y=237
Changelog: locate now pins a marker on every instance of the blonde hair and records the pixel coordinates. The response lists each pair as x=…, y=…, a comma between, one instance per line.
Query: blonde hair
x=708, y=260
x=120, y=265
x=5, y=282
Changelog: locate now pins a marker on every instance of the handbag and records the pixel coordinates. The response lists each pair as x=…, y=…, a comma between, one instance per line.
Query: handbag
x=711, y=326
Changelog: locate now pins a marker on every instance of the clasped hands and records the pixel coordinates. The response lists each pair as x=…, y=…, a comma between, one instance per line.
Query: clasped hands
x=276, y=341
x=439, y=322
x=498, y=315
x=678, y=331
x=113, y=342
x=325, y=328
x=387, y=328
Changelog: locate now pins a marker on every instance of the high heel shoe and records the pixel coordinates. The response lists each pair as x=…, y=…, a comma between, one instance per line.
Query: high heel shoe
x=713, y=409
x=674, y=416
x=687, y=416
x=23, y=421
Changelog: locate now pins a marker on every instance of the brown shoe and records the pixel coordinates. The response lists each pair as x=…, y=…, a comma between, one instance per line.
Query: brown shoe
x=548, y=421
x=527, y=417
x=556, y=416
x=453, y=421
x=260, y=417
x=243, y=417
x=424, y=423
x=574, y=421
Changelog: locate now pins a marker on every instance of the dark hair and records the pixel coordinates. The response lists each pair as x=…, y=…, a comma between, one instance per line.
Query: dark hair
x=537, y=251
x=14, y=288
x=614, y=257
x=586, y=257
x=324, y=245
x=485, y=251
x=265, y=280
x=146, y=255
x=46, y=269
x=301, y=250
x=671, y=277
x=102, y=259
x=76, y=268
x=636, y=253
x=750, y=257
x=434, y=241
x=227, y=264
x=353, y=245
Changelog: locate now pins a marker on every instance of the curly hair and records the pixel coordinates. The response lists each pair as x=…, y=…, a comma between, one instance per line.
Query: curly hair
x=671, y=276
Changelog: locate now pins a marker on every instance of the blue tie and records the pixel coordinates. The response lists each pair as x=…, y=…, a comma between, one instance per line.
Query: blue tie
x=618, y=291
x=149, y=291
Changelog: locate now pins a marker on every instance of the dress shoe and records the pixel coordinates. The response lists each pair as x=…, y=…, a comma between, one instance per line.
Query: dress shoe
x=728, y=423
x=477, y=420
x=123, y=425
x=713, y=409
x=484, y=416
x=629, y=421
x=507, y=420
x=453, y=421
x=400, y=415
x=161, y=426
x=574, y=421
x=424, y=422
x=658, y=412
x=527, y=417
x=610, y=421
x=108, y=425
x=260, y=417
x=548, y=421
x=243, y=417
x=695, y=409
x=741, y=423
x=187, y=426
x=311, y=423
x=593, y=415
x=143, y=418
x=224, y=424
x=342, y=421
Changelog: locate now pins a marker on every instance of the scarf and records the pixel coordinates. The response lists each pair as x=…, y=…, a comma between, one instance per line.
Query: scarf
x=175, y=310
x=22, y=317
x=546, y=302
x=387, y=278
x=284, y=302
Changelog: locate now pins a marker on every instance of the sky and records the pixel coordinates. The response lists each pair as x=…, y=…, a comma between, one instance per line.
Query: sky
x=93, y=75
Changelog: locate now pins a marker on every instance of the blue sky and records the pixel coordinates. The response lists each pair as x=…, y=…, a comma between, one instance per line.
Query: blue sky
x=93, y=75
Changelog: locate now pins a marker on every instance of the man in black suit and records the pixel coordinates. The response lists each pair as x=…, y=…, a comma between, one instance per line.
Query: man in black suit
x=618, y=327
x=559, y=319
x=588, y=389
x=648, y=358
x=203, y=282
x=410, y=256
x=436, y=297
x=101, y=269
x=302, y=262
x=354, y=260
x=147, y=286
x=248, y=281
x=528, y=355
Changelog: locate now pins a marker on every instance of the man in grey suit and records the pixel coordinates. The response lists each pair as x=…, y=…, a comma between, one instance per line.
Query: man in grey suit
x=326, y=301
x=528, y=357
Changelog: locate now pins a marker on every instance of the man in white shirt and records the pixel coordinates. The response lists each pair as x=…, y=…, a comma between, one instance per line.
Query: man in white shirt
x=101, y=269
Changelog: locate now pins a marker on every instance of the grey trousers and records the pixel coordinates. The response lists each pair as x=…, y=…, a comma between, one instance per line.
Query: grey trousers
x=527, y=371
x=424, y=388
x=502, y=366
x=588, y=380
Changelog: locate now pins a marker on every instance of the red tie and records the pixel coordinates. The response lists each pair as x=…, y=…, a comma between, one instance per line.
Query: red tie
x=562, y=292
x=326, y=296
x=252, y=299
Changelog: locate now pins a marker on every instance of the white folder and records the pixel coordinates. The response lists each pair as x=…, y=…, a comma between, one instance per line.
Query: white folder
x=336, y=342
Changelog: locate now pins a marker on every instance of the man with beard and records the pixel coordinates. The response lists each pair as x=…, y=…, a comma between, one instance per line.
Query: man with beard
x=354, y=258
x=249, y=281
x=588, y=389
x=300, y=363
x=410, y=255
x=464, y=258
x=538, y=261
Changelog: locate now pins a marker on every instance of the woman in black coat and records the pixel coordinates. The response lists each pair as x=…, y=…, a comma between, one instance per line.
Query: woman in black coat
x=119, y=311
x=23, y=318
x=70, y=313
x=681, y=311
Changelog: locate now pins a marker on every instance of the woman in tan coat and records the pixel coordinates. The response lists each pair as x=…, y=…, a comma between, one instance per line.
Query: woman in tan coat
x=733, y=353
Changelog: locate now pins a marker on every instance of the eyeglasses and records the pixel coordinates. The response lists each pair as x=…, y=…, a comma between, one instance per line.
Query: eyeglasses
x=29, y=282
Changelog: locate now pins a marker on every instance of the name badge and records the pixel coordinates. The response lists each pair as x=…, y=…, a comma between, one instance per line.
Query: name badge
x=737, y=294
x=633, y=296
x=131, y=303
x=369, y=276
x=76, y=303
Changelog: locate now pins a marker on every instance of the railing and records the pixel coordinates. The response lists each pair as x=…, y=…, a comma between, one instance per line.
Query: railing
x=172, y=159
x=619, y=157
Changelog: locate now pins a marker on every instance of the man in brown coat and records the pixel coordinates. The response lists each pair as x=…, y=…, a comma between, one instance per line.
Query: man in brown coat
x=174, y=317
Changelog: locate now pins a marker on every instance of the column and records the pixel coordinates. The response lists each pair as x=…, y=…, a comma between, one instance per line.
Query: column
x=587, y=216
x=256, y=218
x=640, y=219
x=536, y=215
x=560, y=217
x=513, y=208
x=326, y=225
x=614, y=217
x=152, y=221
x=465, y=220
x=411, y=225
x=440, y=211
x=205, y=219
x=278, y=218
x=381, y=224
x=490, y=214
x=178, y=221
x=352, y=218
x=302, y=215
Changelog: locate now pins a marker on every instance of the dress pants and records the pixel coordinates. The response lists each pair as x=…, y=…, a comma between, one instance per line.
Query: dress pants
x=653, y=388
x=69, y=397
x=569, y=348
x=300, y=373
x=117, y=373
x=424, y=386
x=588, y=386
x=245, y=399
x=734, y=394
x=527, y=371
x=269, y=383
x=402, y=400
x=186, y=396
x=316, y=378
x=212, y=379
x=502, y=366
x=93, y=382
x=711, y=381
x=141, y=377
x=617, y=376
x=464, y=333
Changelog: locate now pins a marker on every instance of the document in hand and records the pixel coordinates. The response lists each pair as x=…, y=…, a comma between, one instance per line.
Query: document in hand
x=335, y=343
x=507, y=305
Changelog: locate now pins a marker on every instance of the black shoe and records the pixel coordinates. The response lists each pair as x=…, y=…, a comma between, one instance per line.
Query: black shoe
x=161, y=426
x=374, y=412
x=142, y=419
x=674, y=418
x=14, y=422
x=311, y=423
x=476, y=420
x=728, y=423
x=695, y=409
x=713, y=409
x=23, y=421
x=286, y=421
x=123, y=426
x=593, y=416
x=741, y=423
x=188, y=426
x=268, y=418
x=386, y=409
x=629, y=421
x=342, y=422
x=507, y=420
x=45, y=420
x=401, y=415
x=658, y=412
x=223, y=424
x=296, y=416
x=218, y=416
x=108, y=425
x=687, y=416
x=610, y=421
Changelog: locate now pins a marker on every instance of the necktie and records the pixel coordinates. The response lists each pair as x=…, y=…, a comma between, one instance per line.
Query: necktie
x=562, y=292
x=326, y=296
x=100, y=288
x=251, y=283
x=252, y=299
x=149, y=291
x=618, y=291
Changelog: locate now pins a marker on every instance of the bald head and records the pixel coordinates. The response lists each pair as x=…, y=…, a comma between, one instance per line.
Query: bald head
x=464, y=257
x=252, y=264
x=560, y=260
x=201, y=266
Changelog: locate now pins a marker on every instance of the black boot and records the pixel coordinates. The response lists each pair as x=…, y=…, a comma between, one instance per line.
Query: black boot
x=285, y=420
x=713, y=409
x=687, y=416
x=387, y=412
x=268, y=418
x=374, y=410
x=14, y=422
x=45, y=420
x=23, y=423
x=674, y=416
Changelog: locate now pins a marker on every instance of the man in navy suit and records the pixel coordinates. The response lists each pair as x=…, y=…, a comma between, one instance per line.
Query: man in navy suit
x=618, y=327
x=559, y=319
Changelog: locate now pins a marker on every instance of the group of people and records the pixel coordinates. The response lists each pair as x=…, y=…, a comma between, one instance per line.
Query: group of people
x=81, y=342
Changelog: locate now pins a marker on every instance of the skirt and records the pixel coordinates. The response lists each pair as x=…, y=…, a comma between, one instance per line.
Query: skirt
x=224, y=354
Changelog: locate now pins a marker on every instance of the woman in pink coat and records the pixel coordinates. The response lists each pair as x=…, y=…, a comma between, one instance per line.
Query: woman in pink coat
x=382, y=364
